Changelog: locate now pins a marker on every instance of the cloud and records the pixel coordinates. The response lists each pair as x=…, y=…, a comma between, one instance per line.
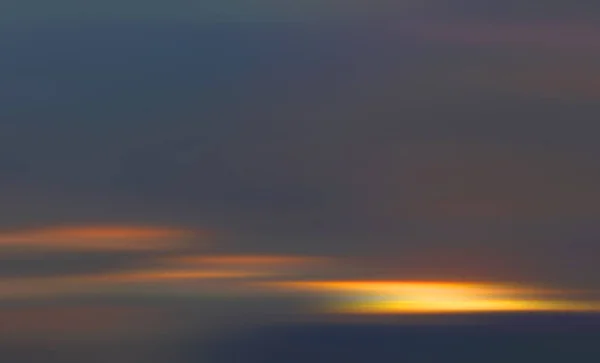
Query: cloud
x=162, y=276
x=274, y=262
x=142, y=283
x=97, y=238
x=266, y=266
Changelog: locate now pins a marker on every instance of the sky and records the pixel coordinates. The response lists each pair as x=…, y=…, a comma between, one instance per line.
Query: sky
x=420, y=140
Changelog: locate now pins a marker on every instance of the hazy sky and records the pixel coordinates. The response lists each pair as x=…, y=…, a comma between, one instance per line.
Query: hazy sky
x=435, y=139
x=261, y=10
x=161, y=160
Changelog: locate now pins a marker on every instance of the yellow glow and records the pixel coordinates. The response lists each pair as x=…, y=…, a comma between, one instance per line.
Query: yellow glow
x=416, y=297
x=481, y=306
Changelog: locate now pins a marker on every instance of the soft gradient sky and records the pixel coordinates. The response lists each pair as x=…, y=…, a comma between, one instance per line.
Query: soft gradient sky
x=408, y=140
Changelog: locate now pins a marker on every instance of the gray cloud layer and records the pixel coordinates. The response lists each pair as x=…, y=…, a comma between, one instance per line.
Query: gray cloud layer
x=303, y=139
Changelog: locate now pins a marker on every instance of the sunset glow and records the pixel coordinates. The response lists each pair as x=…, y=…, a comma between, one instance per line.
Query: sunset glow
x=255, y=260
x=19, y=288
x=96, y=238
x=259, y=265
x=393, y=297
x=183, y=274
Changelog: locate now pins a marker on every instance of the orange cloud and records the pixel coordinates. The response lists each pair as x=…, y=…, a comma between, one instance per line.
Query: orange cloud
x=111, y=283
x=230, y=270
x=97, y=238
x=249, y=260
x=171, y=274
x=260, y=265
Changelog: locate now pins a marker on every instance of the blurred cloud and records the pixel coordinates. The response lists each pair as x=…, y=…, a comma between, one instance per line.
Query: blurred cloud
x=163, y=276
x=439, y=137
x=260, y=260
x=268, y=264
x=98, y=238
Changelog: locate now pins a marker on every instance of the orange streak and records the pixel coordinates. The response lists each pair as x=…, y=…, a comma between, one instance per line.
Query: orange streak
x=248, y=260
x=97, y=237
x=104, y=283
x=383, y=285
x=161, y=275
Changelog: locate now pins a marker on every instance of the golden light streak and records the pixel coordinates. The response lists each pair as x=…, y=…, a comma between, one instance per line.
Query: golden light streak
x=419, y=297
x=96, y=238
x=480, y=306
